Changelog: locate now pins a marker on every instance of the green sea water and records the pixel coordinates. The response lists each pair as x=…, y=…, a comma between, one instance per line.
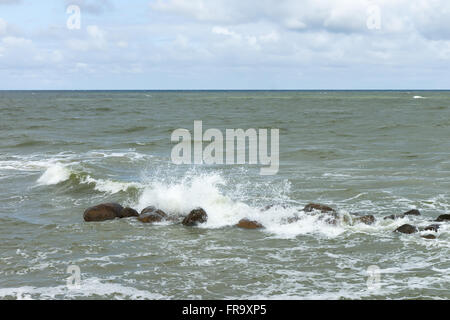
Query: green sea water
x=367, y=152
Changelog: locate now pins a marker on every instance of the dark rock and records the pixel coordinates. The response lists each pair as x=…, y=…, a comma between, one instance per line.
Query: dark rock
x=102, y=212
x=331, y=218
x=128, y=212
x=292, y=219
x=367, y=219
x=412, y=212
x=406, y=228
x=195, y=217
x=249, y=224
x=318, y=207
x=270, y=206
x=429, y=236
x=432, y=227
x=443, y=217
x=151, y=215
x=394, y=216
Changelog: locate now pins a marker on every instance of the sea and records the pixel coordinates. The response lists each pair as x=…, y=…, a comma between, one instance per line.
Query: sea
x=361, y=152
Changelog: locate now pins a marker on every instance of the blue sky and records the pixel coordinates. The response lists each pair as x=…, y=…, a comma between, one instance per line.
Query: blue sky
x=226, y=44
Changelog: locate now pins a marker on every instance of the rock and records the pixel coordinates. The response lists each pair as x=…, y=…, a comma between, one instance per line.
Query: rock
x=443, y=217
x=394, y=216
x=412, y=212
x=432, y=227
x=330, y=216
x=367, y=219
x=429, y=236
x=318, y=207
x=270, y=206
x=406, y=228
x=292, y=219
x=151, y=215
x=195, y=217
x=249, y=224
x=103, y=212
x=128, y=212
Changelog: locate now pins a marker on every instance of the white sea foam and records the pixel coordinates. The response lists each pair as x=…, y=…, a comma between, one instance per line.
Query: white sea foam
x=54, y=174
x=109, y=186
x=418, y=97
x=225, y=209
x=88, y=287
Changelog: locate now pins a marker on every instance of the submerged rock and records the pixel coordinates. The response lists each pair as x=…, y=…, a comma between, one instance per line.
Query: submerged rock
x=367, y=219
x=429, y=236
x=443, y=217
x=151, y=215
x=128, y=212
x=318, y=207
x=330, y=215
x=270, y=206
x=249, y=224
x=412, y=212
x=432, y=227
x=102, y=212
x=394, y=216
x=195, y=217
x=406, y=228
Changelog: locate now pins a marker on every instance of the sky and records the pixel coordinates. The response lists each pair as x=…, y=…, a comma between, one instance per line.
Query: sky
x=224, y=44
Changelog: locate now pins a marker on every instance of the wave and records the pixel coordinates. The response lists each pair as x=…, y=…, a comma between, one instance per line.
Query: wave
x=228, y=198
x=55, y=174
x=59, y=173
x=91, y=287
x=226, y=203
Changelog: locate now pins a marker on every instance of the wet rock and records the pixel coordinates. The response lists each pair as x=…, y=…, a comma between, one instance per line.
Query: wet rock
x=432, y=227
x=102, y=212
x=367, y=219
x=249, y=224
x=394, y=216
x=128, y=212
x=406, y=228
x=318, y=207
x=292, y=219
x=330, y=215
x=443, y=217
x=270, y=206
x=429, y=236
x=195, y=217
x=412, y=212
x=331, y=218
x=152, y=215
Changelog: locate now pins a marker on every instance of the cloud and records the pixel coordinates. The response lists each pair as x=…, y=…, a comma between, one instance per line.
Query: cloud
x=3, y=26
x=232, y=44
x=95, y=39
x=14, y=42
x=92, y=6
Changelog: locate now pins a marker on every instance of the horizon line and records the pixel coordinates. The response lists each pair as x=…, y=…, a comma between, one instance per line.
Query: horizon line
x=416, y=89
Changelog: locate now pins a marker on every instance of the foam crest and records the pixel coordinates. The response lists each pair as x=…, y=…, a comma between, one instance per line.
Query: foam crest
x=54, y=174
x=109, y=186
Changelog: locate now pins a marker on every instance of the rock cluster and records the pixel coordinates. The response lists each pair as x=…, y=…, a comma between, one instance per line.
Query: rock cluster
x=151, y=214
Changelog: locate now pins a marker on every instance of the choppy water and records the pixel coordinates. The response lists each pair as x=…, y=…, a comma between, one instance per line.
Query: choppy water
x=377, y=153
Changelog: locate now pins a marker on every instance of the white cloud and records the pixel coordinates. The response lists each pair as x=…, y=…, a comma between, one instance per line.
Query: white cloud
x=3, y=26
x=94, y=39
x=230, y=43
x=15, y=42
x=92, y=6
